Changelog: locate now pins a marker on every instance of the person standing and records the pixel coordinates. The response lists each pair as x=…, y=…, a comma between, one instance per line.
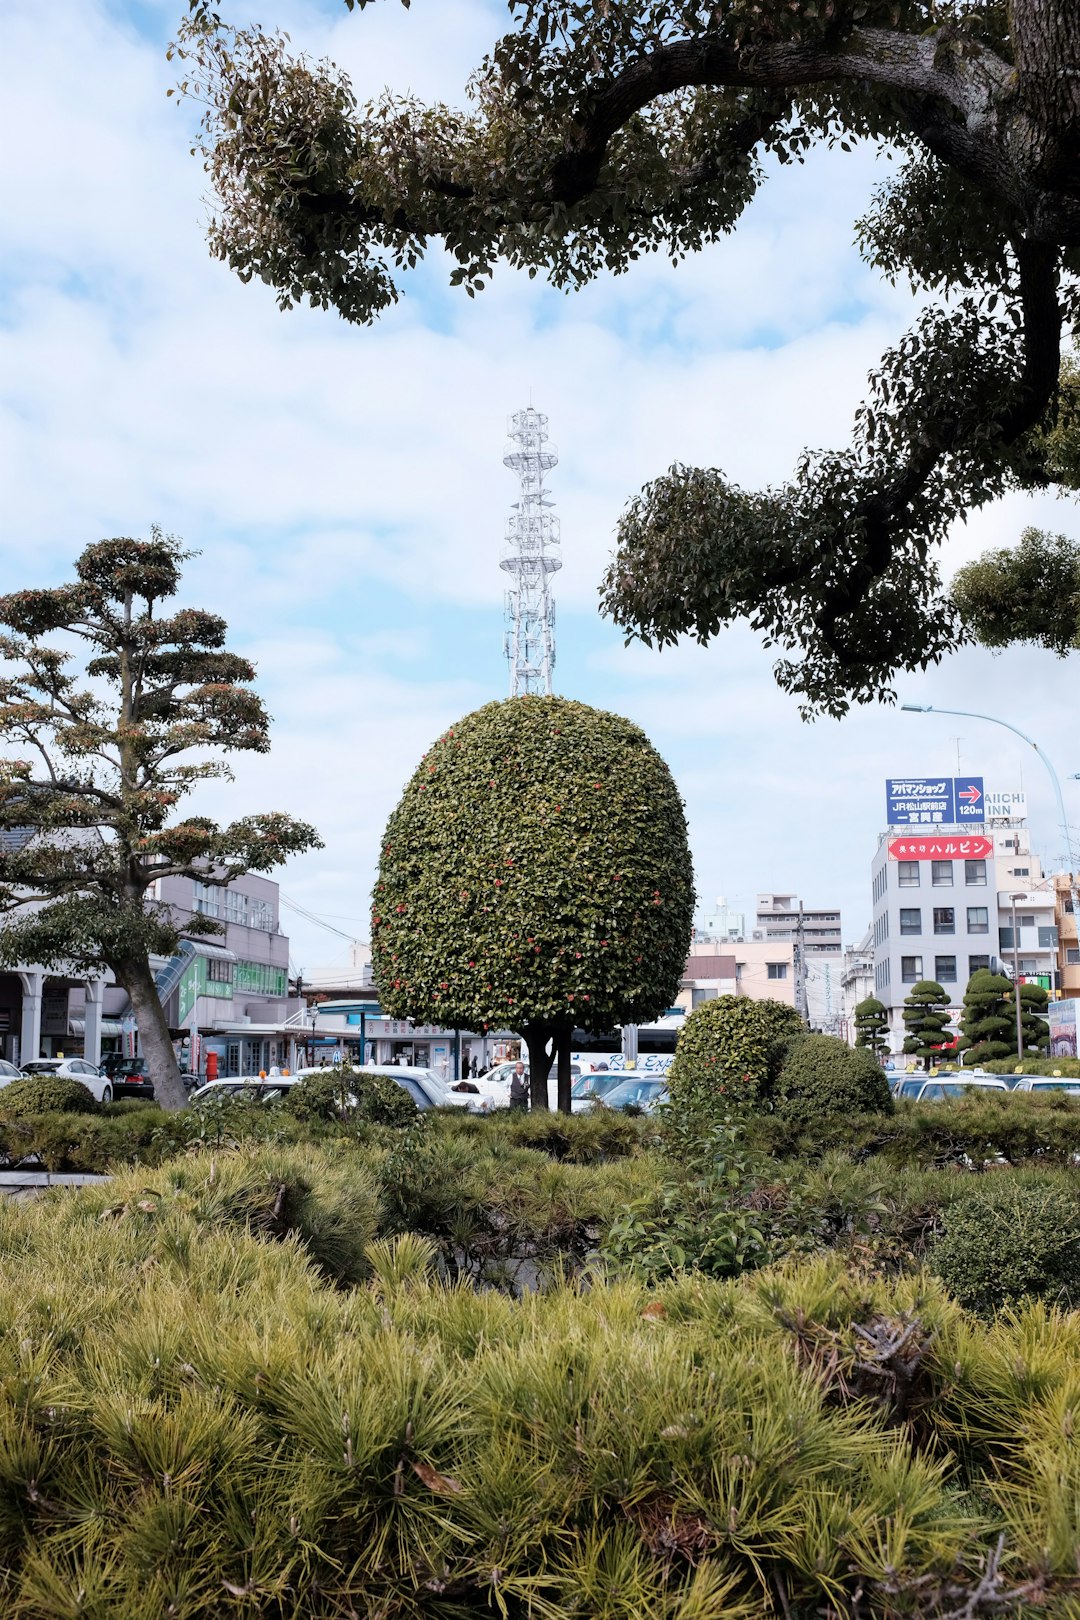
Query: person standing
x=519, y=1087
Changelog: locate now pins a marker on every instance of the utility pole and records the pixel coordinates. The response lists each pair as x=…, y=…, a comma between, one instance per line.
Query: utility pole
x=1013, y=898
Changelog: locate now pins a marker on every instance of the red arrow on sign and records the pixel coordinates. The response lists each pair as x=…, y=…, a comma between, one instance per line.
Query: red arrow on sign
x=971, y=794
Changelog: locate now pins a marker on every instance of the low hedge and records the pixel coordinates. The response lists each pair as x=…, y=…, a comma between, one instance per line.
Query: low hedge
x=194, y=1421
x=1067, y=1067
x=983, y=1128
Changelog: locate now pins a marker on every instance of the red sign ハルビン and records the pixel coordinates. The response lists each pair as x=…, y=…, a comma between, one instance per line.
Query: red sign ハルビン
x=946, y=848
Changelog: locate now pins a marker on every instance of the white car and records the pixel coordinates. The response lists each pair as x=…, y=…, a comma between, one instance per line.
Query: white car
x=1055, y=1082
x=9, y=1072
x=253, y=1085
x=953, y=1086
x=71, y=1069
x=426, y=1088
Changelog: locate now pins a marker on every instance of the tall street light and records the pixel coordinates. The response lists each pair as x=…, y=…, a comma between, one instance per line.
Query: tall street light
x=1013, y=898
x=972, y=714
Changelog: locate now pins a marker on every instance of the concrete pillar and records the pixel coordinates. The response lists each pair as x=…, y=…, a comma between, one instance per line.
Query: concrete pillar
x=95, y=994
x=33, y=981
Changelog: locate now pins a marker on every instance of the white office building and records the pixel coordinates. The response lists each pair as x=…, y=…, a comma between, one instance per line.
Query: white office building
x=943, y=904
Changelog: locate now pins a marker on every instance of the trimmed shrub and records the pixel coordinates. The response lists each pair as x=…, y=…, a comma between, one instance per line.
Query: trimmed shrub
x=823, y=1075
x=1068, y=1068
x=343, y=1093
x=731, y=1050
x=1011, y=1243
x=46, y=1094
x=872, y=1026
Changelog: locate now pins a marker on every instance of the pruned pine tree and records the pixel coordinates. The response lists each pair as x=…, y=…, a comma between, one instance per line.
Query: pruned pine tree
x=595, y=133
x=988, y=1021
x=535, y=877
x=872, y=1026
x=109, y=709
x=926, y=1019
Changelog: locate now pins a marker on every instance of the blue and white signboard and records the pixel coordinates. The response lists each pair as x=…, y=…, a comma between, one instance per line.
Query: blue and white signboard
x=970, y=799
x=934, y=801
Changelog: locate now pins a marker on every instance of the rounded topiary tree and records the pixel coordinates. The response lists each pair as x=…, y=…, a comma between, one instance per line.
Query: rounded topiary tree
x=926, y=1019
x=46, y=1094
x=536, y=877
x=872, y=1026
x=732, y=1047
x=824, y=1075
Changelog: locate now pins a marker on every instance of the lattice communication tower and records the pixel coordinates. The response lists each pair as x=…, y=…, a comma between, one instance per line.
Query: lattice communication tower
x=530, y=557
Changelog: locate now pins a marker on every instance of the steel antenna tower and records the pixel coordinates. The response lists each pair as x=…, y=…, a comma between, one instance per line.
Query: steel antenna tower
x=530, y=557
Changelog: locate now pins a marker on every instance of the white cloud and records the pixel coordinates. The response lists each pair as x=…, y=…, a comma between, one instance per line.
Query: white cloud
x=321, y=469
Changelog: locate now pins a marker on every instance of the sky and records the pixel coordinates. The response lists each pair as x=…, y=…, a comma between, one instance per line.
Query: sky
x=344, y=488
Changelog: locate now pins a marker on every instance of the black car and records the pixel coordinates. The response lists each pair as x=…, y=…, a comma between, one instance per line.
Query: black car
x=129, y=1075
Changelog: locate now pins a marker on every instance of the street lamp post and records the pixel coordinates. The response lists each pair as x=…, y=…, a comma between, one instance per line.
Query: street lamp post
x=973, y=714
x=1013, y=898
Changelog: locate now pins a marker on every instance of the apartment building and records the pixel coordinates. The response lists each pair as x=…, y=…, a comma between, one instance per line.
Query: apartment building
x=784, y=916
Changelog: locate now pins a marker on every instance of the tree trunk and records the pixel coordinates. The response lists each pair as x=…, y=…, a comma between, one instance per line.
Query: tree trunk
x=1046, y=44
x=536, y=1038
x=563, y=1041
x=138, y=981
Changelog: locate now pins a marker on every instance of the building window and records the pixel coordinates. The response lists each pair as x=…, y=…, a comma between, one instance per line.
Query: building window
x=1072, y=956
x=1048, y=938
x=941, y=874
x=977, y=963
x=944, y=920
x=945, y=969
x=1029, y=967
x=975, y=874
x=1021, y=871
x=910, y=920
x=776, y=970
x=978, y=920
x=218, y=970
x=911, y=969
x=260, y=915
x=908, y=874
x=1005, y=938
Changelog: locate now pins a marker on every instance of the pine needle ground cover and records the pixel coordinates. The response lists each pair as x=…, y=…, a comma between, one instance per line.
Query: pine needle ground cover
x=222, y=1394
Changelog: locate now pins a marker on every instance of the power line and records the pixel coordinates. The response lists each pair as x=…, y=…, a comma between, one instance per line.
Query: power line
x=310, y=916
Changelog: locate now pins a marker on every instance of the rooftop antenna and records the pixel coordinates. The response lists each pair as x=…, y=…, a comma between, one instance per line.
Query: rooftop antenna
x=530, y=557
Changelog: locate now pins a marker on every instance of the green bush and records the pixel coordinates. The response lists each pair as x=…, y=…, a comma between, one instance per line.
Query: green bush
x=342, y=1093
x=1013, y=1242
x=730, y=1052
x=46, y=1094
x=824, y=1076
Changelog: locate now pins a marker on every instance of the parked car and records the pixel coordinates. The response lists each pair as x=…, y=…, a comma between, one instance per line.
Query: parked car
x=590, y=1088
x=245, y=1085
x=910, y=1086
x=1056, y=1082
x=9, y=1071
x=72, y=1069
x=426, y=1088
x=130, y=1076
x=953, y=1086
x=644, y=1091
